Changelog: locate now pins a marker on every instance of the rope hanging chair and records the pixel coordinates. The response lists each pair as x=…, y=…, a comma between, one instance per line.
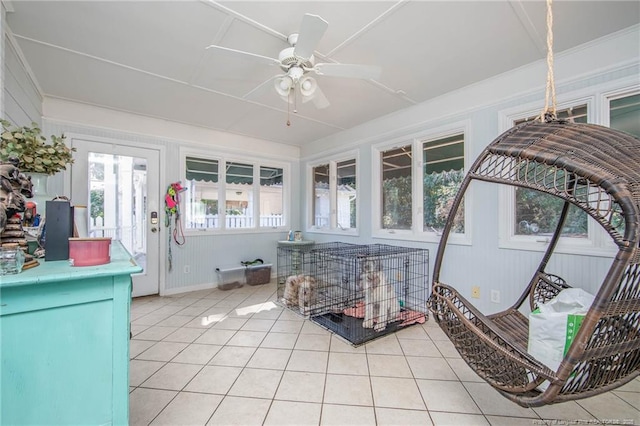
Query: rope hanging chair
x=598, y=170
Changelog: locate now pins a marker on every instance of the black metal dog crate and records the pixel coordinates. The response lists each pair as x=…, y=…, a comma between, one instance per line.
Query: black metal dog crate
x=360, y=292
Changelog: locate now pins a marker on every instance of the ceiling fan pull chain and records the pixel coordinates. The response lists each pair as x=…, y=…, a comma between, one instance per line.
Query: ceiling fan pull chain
x=549, y=111
x=288, y=113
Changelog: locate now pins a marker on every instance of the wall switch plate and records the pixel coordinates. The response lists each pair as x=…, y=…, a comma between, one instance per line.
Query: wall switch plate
x=495, y=296
x=475, y=292
x=187, y=269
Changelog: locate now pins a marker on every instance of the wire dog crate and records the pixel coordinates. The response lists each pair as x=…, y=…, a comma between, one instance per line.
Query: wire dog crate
x=360, y=292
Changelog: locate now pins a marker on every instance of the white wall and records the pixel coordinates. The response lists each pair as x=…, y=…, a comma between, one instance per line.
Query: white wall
x=21, y=100
x=611, y=62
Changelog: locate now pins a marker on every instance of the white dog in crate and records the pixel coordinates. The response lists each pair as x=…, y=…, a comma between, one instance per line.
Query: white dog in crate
x=380, y=300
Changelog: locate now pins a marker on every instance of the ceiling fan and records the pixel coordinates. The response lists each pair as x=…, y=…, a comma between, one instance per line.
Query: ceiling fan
x=298, y=61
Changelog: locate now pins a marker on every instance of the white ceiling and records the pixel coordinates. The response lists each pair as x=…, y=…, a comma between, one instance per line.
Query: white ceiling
x=149, y=57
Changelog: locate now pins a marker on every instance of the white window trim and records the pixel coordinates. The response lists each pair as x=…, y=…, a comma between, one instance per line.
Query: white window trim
x=333, y=161
x=597, y=242
x=417, y=233
x=223, y=158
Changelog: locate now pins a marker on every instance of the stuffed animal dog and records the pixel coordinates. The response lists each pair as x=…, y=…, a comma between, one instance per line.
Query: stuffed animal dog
x=291, y=290
x=306, y=294
x=381, y=302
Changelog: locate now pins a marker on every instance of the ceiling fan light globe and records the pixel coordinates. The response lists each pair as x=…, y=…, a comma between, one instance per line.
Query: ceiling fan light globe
x=308, y=86
x=283, y=85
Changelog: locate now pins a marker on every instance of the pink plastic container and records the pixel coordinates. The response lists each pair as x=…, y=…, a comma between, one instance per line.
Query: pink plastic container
x=89, y=251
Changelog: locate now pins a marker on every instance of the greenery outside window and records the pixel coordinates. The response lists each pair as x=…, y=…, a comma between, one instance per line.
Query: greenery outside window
x=396, y=167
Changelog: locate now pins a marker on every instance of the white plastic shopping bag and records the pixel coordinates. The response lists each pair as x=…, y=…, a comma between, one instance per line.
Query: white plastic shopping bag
x=554, y=325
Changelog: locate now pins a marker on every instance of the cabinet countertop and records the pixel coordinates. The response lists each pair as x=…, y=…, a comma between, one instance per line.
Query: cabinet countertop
x=60, y=270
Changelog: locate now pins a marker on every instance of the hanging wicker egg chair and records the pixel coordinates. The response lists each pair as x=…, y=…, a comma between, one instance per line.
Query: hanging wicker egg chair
x=598, y=170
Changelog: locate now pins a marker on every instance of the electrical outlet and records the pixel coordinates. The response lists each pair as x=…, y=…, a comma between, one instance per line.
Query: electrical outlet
x=475, y=292
x=495, y=296
x=187, y=269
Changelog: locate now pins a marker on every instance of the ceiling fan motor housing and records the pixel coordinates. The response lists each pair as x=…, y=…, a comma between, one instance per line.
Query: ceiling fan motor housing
x=288, y=59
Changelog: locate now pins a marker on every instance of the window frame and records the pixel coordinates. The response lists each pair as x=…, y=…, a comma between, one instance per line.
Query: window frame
x=597, y=242
x=416, y=141
x=332, y=161
x=257, y=163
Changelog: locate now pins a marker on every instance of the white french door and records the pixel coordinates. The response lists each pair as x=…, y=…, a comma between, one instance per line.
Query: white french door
x=120, y=187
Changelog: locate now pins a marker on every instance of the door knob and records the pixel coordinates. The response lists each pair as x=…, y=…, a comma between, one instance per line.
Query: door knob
x=154, y=229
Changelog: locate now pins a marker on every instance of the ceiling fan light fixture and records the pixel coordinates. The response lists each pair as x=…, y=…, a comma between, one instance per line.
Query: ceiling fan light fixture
x=283, y=85
x=308, y=86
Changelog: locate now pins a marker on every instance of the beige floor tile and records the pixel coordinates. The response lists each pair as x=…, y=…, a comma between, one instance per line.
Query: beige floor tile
x=397, y=417
x=287, y=326
x=215, y=337
x=348, y=390
x=254, y=324
x=387, y=345
x=192, y=311
x=176, y=321
x=290, y=413
x=340, y=345
x=184, y=301
x=608, y=406
x=435, y=332
x=457, y=419
x=214, y=379
x=145, y=404
x=169, y=310
x=300, y=386
x=348, y=363
x=184, y=334
x=275, y=359
x=491, y=402
x=633, y=398
x=447, y=349
x=230, y=324
x=140, y=370
x=309, y=361
x=289, y=315
x=424, y=367
x=240, y=411
x=188, y=409
x=442, y=395
x=310, y=327
x=156, y=333
x=514, y=421
x=463, y=371
x=279, y=340
x=394, y=392
x=256, y=383
x=412, y=333
x=419, y=348
x=136, y=347
x=150, y=319
x=197, y=354
x=233, y=356
x=268, y=311
x=388, y=366
x=172, y=376
x=313, y=342
x=632, y=386
x=137, y=329
x=569, y=410
x=162, y=351
x=340, y=415
x=247, y=338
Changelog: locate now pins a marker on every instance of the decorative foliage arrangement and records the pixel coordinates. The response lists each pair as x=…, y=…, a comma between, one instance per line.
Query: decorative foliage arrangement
x=30, y=147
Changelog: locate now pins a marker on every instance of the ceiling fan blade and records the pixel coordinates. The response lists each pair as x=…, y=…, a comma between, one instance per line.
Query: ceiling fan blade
x=311, y=31
x=238, y=53
x=319, y=99
x=348, y=71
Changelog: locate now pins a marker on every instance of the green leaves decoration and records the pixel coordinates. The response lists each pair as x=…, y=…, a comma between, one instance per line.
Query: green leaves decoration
x=31, y=148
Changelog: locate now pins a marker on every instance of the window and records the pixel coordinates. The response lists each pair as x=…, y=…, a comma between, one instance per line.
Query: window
x=396, y=188
x=537, y=213
x=443, y=164
x=421, y=180
x=528, y=218
x=225, y=194
x=334, y=195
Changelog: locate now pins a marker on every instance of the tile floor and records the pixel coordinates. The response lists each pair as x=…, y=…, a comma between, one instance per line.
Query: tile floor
x=236, y=358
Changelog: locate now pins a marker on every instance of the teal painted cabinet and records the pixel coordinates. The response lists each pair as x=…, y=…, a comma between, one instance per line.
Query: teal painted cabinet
x=64, y=343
